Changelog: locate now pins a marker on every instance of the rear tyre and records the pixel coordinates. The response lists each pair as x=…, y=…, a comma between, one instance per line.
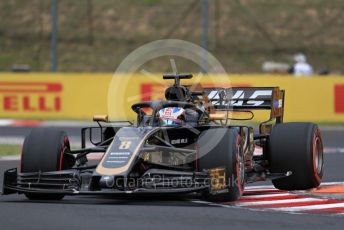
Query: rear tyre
x=221, y=148
x=296, y=147
x=43, y=150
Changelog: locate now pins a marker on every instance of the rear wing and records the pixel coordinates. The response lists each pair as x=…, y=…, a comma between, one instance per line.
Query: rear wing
x=248, y=98
x=233, y=99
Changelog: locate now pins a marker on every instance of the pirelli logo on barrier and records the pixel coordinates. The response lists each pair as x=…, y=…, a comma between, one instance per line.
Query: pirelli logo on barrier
x=339, y=98
x=80, y=96
x=30, y=97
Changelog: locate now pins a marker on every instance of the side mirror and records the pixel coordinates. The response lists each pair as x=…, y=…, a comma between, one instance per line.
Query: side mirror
x=102, y=118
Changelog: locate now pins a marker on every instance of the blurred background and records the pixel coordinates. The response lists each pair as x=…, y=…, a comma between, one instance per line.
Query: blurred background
x=57, y=57
x=96, y=35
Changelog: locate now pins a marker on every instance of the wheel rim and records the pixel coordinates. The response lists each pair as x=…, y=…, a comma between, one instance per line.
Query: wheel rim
x=318, y=155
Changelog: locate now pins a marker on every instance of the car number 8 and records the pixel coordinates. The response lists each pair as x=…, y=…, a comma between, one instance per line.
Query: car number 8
x=125, y=145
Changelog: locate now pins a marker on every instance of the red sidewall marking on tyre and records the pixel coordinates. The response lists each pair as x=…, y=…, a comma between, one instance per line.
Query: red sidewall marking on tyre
x=314, y=150
x=65, y=141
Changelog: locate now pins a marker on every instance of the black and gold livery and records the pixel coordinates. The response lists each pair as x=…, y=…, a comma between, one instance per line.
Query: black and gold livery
x=204, y=153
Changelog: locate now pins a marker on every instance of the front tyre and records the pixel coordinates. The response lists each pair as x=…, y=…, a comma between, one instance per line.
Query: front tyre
x=221, y=154
x=43, y=150
x=296, y=147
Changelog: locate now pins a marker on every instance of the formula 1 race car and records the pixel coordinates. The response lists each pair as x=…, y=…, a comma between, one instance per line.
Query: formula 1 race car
x=184, y=144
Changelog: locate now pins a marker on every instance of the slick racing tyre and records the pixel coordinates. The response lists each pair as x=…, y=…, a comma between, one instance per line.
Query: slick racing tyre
x=43, y=150
x=296, y=147
x=222, y=155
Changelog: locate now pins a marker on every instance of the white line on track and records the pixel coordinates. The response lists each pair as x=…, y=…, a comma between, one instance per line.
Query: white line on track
x=266, y=196
x=5, y=122
x=310, y=207
x=10, y=158
x=271, y=187
x=286, y=201
x=293, y=205
x=259, y=187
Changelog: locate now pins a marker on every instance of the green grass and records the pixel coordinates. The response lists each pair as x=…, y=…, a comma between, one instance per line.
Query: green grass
x=7, y=149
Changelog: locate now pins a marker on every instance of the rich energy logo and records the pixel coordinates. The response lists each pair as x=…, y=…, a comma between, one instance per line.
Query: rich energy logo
x=30, y=97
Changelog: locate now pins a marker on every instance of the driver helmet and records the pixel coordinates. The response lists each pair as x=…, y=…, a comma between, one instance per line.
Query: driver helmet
x=172, y=115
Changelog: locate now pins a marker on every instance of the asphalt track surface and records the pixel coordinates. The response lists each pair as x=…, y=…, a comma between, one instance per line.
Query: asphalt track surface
x=89, y=212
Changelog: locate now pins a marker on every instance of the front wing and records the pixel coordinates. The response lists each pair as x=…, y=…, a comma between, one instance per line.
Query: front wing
x=71, y=182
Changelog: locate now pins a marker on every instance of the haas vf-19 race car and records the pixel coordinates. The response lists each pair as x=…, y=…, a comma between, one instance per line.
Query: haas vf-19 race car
x=184, y=144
